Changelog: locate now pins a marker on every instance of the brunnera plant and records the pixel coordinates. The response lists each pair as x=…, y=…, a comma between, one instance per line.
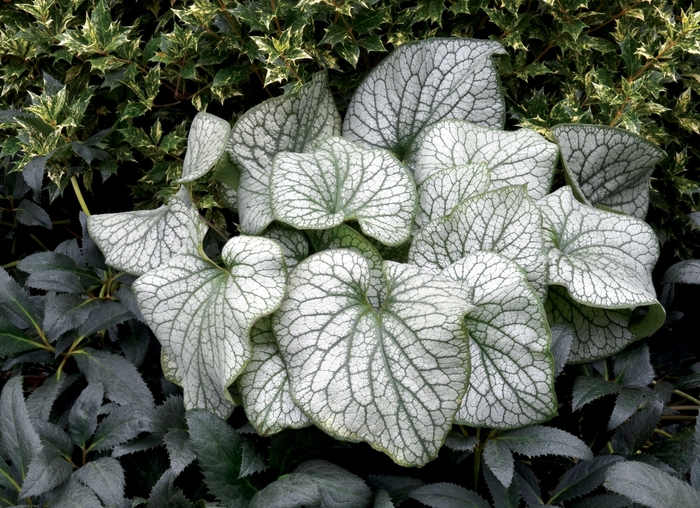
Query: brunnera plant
x=401, y=269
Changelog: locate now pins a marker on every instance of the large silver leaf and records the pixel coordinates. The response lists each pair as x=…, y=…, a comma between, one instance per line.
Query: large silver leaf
x=608, y=166
x=205, y=145
x=392, y=376
x=421, y=83
x=521, y=157
x=342, y=181
x=264, y=385
x=140, y=241
x=512, y=371
x=202, y=315
x=284, y=124
x=504, y=220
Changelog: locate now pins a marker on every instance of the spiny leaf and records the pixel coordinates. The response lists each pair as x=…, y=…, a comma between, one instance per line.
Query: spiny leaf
x=583, y=478
x=537, y=440
x=499, y=459
x=15, y=305
x=448, y=495
x=105, y=476
x=19, y=442
x=590, y=388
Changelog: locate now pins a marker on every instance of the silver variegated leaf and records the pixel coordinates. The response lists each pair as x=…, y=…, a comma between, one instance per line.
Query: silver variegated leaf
x=294, y=244
x=607, y=166
x=206, y=143
x=504, y=220
x=140, y=241
x=341, y=181
x=202, y=315
x=512, y=371
x=421, y=83
x=392, y=376
x=264, y=386
x=442, y=191
x=283, y=124
x=521, y=157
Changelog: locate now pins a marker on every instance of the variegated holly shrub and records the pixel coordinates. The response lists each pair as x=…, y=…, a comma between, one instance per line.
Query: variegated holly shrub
x=401, y=269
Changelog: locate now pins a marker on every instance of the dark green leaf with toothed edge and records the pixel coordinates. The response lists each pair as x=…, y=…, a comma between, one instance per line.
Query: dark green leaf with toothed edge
x=206, y=143
x=608, y=166
x=13, y=340
x=448, y=495
x=502, y=497
x=683, y=272
x=31, y=214
x=512, y=373
x=340, y=181
x=537, y=440
x=75, y=495
x=105, y=476
x=590, y=388
x=314, y=483
x=19, y=442
x=562, y=338
x=520, y=157
x=499, y=459
x=583, y=478
x=82, y=418
x=290, y=123
x=505, y=221
x=202, y=315
x=15, y=305
x=122, y=424
x=166, y=495
x=47, y=470
x=361, y=372
x=382, y=499
x=141, y=241
x=264, y=385
x=649, y=486
x=180, y=449
x=627, y=403
x=421, y=83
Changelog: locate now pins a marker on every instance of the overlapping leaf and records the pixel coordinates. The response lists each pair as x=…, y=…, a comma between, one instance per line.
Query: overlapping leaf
x=421, y=83
x=504, y=220
x=284, y=124
x=521, y=157
x=202, y=314
x=392, y=376
x=608, y=166
x=205, y=145
x=512, y=378
x=140, y=241
x=342, y=181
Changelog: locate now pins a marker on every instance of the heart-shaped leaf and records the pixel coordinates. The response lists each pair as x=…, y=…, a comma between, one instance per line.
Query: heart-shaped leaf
x=140, y=241
x=513, y=157
x=202, y=315
x=294, y=244
x=392, y=376
x=441, y=192
x=421, y=83
x=264, y=386
x=205, y=145
x=284, y=124
x=607, y=166
x=512, y=377
x=504, y=220
x=341, y=181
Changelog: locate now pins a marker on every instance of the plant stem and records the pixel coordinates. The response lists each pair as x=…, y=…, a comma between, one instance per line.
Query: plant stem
x=11, y=264
x=79, y=195
x=687, y=397
x=39, y=242
x=477, y=460
x=608, y=445
x=663, y=433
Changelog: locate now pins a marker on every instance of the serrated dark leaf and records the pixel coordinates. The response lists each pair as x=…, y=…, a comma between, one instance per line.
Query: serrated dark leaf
x=33, y=172
x=13, y=340
x=583, y=478
x=65, y=312
x=695, y=474
x=134, y=340
x=251, y=460
x=632, y=435
x=604, y=501
x=461, y=443
x=53, y=438
x=398, y=487
x=91, y=253
x=502, y=497
x=33, y=357
x=19, y=442
x=499, y=459
x=537, y=440
x=127, y=298
x=55, y=280
x=105, y=476
x=218, y=449
x=71, y=249
x=6, y=479
x=448, y=495
x=649, y=486
x=105, y=315
x=683, y=272
x=88, y=153
x=122, y=424
x=75, y=495
x=41, y=400
x=180, y=450
x=31, y=214
x=627, y=403
x=82, y=418
x=166, y=495
x=382, y=499
x=47, y=471
x=123, y=383
x=527, y=485
x=15, y=305
x=170, y=415
x=633, y=367
x=589, y=388
x=562, y=337
x=147, y=442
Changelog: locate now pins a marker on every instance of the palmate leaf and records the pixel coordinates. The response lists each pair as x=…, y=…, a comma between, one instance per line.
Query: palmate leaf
x=521, y=157
x=421, y=83
x=392, y=376
x=202, y=314
x=607, y=166
x=512, y=372
x=284, y=124
x=140, y=241
x=342, y=181
x=206, y=143
x=504, y=220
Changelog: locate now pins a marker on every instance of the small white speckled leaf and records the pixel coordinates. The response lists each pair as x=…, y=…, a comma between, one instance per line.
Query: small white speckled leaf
x=607, y=166
x=205, y=145
x=441, y=192
x=294, y=244
x=140, y=241
x=341, y=181
x=504, y=220
x=283, y=124
x=513, y=157
x=264, y=386
x=202, y=315
x=391, y=376
x=512, y=370
x=421, y=83
x=604, y=259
